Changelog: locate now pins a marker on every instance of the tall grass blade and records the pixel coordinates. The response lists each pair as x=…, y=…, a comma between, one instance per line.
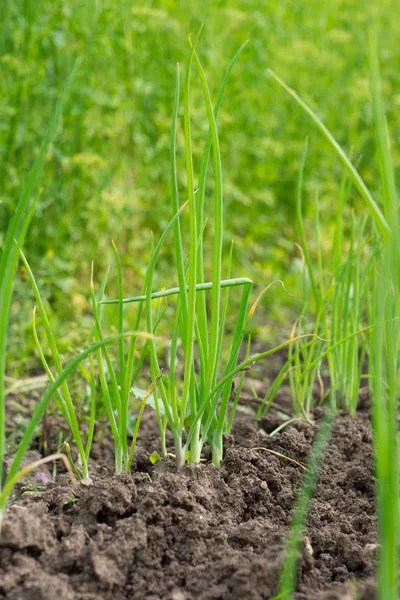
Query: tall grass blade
x=9, y=258
x=385, y=350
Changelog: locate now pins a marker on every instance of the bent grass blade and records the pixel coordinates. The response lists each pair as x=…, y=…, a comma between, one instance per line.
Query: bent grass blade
x=353, y=173
x=200, y=287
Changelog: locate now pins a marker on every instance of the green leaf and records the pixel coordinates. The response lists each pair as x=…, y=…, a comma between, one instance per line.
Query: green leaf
x=154, y=457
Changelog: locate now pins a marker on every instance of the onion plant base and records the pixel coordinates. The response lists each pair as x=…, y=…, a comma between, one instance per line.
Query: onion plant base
x=201, y=532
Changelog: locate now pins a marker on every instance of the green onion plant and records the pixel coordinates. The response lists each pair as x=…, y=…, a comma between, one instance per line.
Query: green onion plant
x=189, y=406
x=335, y=304
x=118, y=387
x=195, y=400
x=378, y=280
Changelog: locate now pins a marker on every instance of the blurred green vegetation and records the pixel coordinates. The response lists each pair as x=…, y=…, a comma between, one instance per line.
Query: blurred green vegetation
x=107, y=173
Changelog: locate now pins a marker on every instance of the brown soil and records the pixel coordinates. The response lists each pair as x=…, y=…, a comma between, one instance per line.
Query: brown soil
x=203, y=534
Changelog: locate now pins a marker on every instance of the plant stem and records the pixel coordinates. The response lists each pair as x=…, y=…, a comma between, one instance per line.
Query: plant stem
x=191, y=317
x=196, y=445
x=118, y=459
x=179, y=453
x=217, y=449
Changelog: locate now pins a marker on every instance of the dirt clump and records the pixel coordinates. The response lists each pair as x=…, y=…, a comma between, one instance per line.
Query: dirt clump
x=203, y=533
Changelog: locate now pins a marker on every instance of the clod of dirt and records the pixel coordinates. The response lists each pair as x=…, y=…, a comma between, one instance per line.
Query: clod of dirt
x=202, y=534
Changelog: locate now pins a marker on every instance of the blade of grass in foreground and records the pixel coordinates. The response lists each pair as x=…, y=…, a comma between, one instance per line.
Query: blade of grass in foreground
x=385, y=355
x=9, y=259
x=299, y=519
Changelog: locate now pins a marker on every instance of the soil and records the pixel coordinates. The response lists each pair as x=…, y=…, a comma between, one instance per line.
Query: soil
x=203, y=533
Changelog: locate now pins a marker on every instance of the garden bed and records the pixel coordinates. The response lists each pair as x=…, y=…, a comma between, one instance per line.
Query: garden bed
x=203, y=533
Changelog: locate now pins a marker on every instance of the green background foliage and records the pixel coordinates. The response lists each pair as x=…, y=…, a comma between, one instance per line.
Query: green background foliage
x=107, y=173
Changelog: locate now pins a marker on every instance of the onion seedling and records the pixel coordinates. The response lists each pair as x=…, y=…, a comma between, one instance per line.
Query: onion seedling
x=64, y=396
x=194, y=411
x=334, y=305
x=117, y=397
x=73, y=364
